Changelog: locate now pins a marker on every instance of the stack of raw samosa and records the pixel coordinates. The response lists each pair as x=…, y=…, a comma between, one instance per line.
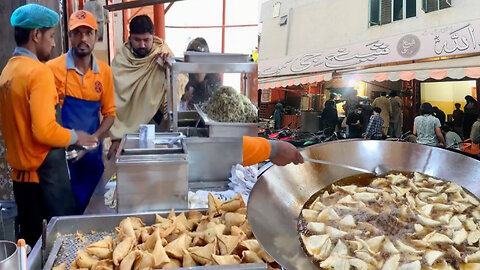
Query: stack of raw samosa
x=220, y=237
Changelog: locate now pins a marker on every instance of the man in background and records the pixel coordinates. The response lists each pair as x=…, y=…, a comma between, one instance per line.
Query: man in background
x=458, y=118
x=375, y=126
x=384, y=104
x=354, y=123
x=440, y=115
x=139, y=75
x=395, y=128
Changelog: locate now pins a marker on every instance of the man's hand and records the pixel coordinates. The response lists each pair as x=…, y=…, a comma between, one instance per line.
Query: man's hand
x=286, y=154
x=162, y=60
x=112, y=151
x=85, y=139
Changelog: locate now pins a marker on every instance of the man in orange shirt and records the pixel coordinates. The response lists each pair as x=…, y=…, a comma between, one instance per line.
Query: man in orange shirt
x=35, y=141
x=85, y=87
x=257, y=149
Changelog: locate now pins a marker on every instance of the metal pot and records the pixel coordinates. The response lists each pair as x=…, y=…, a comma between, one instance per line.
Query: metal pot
x=280, y=193
x=8, y=255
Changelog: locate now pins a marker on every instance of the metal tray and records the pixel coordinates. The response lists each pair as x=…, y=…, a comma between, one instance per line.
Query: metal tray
x=224, y=129
x=62, y=243
x=202, y=57
x=132, y=145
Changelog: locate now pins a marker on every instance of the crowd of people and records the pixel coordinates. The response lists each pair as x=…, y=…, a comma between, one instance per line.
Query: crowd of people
x=383, y=118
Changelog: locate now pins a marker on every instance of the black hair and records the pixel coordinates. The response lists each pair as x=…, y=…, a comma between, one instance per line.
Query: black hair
x=141, y=24
x=458, y=105
x=447, y=127
x=198, y=44
x=329, y=103
x=359, y=106
x=383, y=94
x=470, y=99
x=22, y=35
x=377, y=110
x=332, y=95
x=393, y=94
x=426, y=108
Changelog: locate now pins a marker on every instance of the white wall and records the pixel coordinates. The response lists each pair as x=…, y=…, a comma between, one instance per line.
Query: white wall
x=324, y=24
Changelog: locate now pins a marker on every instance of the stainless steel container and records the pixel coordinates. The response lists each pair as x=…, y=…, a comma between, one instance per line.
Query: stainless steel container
x=222, y=130
x=8, y=256
x=280, y=193
x=151, y=175
x=210, y=161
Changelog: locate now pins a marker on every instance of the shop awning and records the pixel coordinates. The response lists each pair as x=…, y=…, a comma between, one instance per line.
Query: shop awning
x=457, y=68
x=276, y=82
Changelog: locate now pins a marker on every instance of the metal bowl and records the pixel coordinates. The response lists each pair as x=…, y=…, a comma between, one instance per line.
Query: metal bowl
x=8, y=255
x=280, y=193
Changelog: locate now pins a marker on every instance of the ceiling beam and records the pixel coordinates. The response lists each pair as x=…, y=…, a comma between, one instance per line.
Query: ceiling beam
x=136, y=4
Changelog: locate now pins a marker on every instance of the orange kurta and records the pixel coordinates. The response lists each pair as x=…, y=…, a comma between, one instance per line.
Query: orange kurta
x=255, y=150
x=95, y=85
x=28, y=115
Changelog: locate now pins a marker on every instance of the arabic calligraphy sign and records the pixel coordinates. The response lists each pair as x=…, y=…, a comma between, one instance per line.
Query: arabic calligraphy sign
x=450, y=40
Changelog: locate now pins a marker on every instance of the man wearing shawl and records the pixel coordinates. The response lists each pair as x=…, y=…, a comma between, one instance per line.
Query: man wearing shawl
x=140, y=81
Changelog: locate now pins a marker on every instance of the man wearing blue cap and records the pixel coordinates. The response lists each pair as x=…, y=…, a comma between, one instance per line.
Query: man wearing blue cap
x=34, y=137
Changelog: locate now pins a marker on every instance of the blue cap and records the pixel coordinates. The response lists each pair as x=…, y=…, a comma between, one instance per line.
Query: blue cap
x=33, y=16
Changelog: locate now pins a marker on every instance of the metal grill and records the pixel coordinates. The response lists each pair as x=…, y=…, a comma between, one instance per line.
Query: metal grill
x=66, y=247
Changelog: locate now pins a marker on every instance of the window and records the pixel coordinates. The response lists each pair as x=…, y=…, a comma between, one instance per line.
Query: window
x=387, y=11
x=434, y=5
x=374, y=12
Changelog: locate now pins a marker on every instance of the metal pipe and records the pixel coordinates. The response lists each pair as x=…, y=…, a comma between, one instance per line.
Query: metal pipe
x=223, y=26
x=159, y=20
x=214, y=26
x=66, y=12
x=135, y=4
x=168, y=7
x=135, y=14
x=478, y=91
x=125, y=23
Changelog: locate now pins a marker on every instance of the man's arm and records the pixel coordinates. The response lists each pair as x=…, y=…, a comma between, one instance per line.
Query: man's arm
x=256, y=150
x=108, y=105
x=440, y=137
x=475, y=134
x=42, y=102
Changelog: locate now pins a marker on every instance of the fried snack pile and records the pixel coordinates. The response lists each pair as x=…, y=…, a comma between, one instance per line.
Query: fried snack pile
x=220, y=237
x=229, y=105
x=396, y=222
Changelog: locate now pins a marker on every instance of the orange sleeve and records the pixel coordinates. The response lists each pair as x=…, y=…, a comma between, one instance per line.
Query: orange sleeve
x=108, y=99
x=255, y=150
x=58, y=73
x=43, y=99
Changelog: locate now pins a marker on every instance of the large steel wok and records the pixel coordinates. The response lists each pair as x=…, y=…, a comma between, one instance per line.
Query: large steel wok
x=280, y=193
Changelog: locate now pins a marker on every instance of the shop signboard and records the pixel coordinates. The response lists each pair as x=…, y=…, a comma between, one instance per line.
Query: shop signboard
x=446, y=41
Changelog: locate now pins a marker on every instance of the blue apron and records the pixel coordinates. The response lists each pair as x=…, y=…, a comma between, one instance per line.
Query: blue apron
x=85, y=173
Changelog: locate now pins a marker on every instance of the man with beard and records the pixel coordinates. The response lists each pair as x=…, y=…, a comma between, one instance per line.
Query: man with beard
x=34, y=137
x=85, y=87
x=140, y=81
